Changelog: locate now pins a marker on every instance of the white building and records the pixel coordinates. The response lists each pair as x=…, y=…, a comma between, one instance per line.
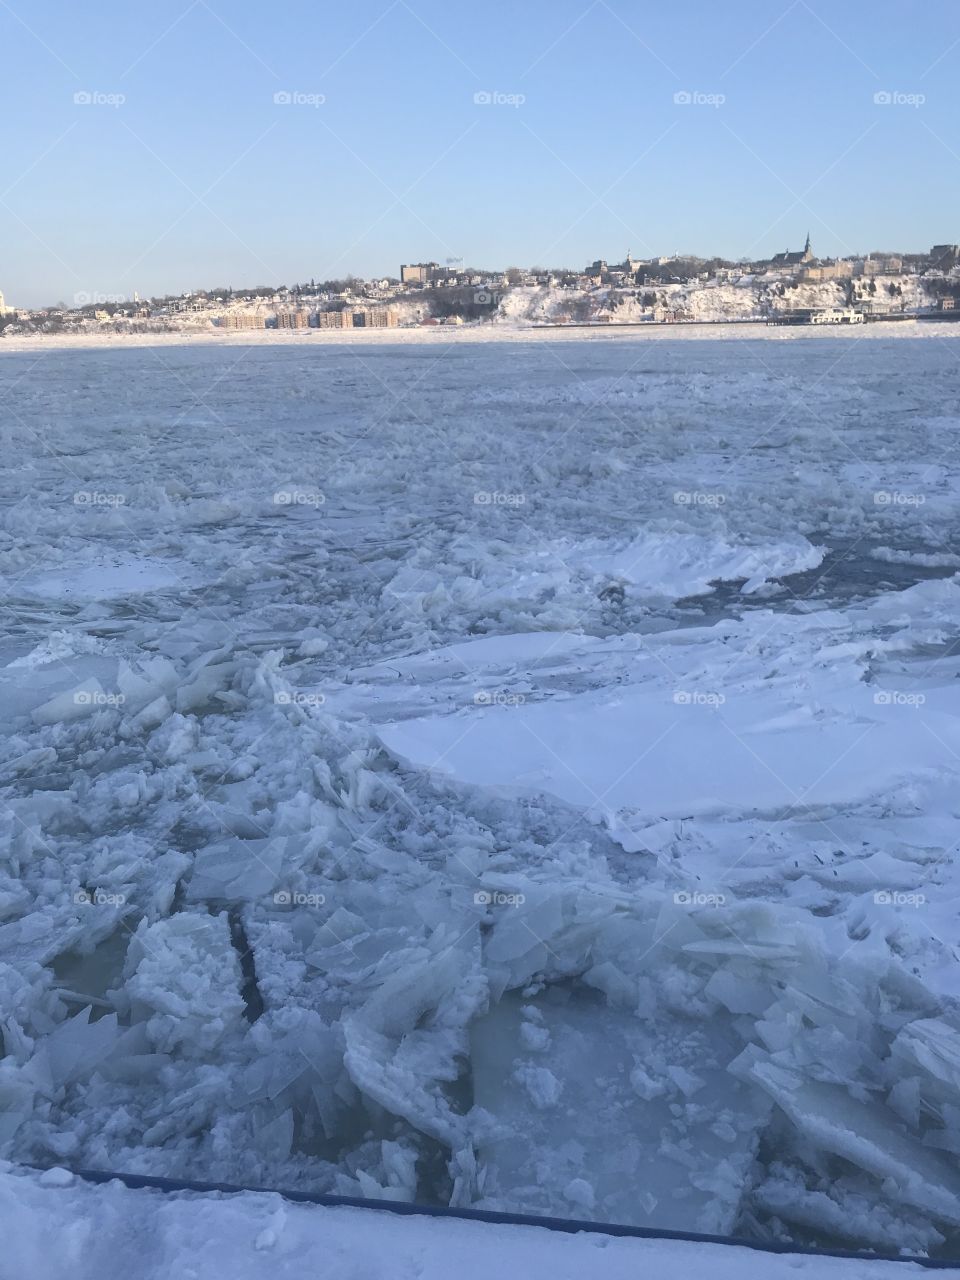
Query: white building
x=4, y=309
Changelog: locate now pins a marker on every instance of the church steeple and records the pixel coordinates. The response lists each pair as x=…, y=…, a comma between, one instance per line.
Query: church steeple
x=806, y=247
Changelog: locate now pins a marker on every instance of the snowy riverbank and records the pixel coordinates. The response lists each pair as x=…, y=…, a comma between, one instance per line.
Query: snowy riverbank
x=505, y=331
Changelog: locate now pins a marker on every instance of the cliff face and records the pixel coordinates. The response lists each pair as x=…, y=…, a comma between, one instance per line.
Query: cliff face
x=750, y=297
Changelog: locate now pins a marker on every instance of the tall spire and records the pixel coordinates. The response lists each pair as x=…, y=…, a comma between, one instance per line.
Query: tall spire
x=806, y=247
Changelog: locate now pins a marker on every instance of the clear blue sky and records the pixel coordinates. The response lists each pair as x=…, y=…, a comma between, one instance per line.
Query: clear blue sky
x=200, y=178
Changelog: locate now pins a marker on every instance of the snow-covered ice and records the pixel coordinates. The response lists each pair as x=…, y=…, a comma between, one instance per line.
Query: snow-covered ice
x=519, y=775
x=53, y=1225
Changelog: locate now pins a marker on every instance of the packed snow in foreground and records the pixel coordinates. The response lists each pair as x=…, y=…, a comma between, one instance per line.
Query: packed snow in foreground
x=520, y=777
x=54, y=1227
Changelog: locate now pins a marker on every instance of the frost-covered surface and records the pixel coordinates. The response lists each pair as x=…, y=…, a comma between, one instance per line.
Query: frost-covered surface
x=520, y=775
x=54, y=1227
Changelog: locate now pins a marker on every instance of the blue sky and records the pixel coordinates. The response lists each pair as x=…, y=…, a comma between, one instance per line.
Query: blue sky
x=183, y=171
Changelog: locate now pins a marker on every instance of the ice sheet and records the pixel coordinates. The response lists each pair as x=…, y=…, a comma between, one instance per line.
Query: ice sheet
x=668, y=681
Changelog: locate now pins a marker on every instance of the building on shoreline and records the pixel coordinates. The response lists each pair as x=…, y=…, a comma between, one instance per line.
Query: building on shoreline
x=841, y=269
x=944, y=257
x=350, y=317
x=419, y=272
x=880, y=264
x=797, y=258
x=241, y=320
x=292, y=320
x=358, y=318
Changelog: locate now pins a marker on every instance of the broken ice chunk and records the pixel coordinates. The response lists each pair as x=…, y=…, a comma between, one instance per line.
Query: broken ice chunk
x=579, y=1193
x=236, y=870
x=686, y=1081
x=540, y=1083
x=406, y=1042
x=535, y=1039
x=934, y=1046
x=645, y=1085
x=525, y=931
x=739, y=994
x=83, y=700
x=866, y=1136
x=76, y=1047
x=182, y=977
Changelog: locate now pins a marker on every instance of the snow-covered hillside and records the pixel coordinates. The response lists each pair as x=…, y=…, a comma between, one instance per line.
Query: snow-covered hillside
x=748, y=298
x=743, y=298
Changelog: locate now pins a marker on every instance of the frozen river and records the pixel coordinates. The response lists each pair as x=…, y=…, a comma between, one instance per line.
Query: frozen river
x=520, y=775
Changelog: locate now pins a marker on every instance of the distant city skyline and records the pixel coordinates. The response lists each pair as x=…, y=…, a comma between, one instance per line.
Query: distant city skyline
x=194, y=144
x=301, y=280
